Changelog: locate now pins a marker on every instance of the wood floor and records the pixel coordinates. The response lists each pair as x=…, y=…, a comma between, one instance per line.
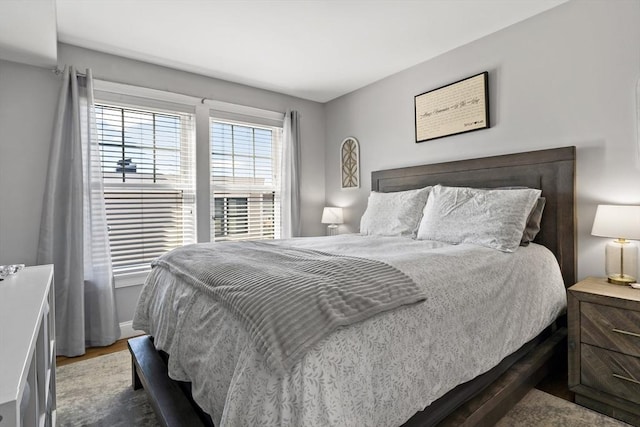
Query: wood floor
x=555, y=384
x=93, y=352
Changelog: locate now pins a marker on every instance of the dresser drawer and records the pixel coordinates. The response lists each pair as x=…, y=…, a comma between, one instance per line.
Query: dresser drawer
x=611, y=372
x=610, y=327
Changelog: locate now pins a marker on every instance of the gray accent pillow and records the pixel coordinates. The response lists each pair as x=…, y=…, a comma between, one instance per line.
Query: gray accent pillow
x=491, y=218
x=394, y=214
x=532, y=228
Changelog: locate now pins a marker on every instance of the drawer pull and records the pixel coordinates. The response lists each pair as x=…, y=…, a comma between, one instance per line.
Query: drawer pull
x=620, y=331
x=631, y=380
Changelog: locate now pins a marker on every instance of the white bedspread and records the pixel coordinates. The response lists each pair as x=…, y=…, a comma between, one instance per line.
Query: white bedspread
x=482, y=305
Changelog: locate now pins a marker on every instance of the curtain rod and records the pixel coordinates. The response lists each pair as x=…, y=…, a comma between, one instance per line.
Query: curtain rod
x=58, y=71
x=212, y=103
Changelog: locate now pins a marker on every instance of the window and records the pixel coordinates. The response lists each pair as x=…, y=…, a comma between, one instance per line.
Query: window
x=244, y=181
x=149, y=187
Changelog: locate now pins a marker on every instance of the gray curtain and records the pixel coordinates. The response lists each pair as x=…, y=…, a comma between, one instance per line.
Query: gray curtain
x=73, y=230
x=290, y=176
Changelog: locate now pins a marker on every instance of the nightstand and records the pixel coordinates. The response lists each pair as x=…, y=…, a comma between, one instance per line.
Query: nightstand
x=604, y=348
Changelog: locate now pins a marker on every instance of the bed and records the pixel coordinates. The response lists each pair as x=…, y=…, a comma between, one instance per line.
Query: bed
x=482, y=399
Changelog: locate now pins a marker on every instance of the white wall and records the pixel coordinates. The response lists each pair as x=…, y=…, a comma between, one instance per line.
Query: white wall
x=28, y=98
x=564, y=77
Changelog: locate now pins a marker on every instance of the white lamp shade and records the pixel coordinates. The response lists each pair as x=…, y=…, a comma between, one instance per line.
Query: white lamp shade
x=332, y=216
x=621, y=222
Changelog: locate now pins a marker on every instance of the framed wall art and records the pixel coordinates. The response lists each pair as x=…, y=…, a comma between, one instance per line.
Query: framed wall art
x=350, y=163
x=459, y=107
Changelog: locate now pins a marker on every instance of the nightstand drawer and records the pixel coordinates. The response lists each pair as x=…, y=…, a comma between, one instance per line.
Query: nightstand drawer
x=610, y=327
x=611, y=372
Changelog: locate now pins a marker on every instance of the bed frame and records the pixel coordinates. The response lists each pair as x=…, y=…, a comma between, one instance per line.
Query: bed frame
x=485, y=399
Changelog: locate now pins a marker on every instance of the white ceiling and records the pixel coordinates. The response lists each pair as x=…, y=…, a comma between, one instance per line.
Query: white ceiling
x=313, y=49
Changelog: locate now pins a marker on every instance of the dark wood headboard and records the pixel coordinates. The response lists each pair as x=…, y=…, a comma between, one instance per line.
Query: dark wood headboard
x=552, y=171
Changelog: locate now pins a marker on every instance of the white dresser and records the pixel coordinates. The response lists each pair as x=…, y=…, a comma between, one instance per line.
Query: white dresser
x=27, y=348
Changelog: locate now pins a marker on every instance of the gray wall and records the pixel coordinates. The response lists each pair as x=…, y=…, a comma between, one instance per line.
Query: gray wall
x=565, y=77
x=28, y=97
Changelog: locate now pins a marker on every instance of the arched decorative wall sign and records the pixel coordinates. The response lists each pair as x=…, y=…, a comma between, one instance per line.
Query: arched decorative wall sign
x=350, y=162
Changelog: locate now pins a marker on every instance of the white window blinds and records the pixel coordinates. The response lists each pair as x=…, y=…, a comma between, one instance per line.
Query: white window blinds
x=147, y=160
x=245, y=195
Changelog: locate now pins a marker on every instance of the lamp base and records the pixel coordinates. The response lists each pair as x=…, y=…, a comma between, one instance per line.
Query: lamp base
x=621, y=258
x=623, y=279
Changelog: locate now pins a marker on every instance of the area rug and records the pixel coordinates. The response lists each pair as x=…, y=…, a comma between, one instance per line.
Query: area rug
x=97, y=392
x=541, y=409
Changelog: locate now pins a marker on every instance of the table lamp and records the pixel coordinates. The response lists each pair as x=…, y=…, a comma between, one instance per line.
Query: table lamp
x=333, y=217
x=621, y=255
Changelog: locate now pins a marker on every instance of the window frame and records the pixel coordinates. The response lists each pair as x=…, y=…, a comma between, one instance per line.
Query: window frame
x=203, y=109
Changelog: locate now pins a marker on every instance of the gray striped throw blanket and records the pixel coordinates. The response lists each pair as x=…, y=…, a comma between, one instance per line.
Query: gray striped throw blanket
x=288, y=299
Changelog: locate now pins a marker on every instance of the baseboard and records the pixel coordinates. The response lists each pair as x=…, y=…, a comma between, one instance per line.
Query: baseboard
x=127, y=331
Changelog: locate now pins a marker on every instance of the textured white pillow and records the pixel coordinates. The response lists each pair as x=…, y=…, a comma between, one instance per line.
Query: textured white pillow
x=394, y=214
x=491, y=218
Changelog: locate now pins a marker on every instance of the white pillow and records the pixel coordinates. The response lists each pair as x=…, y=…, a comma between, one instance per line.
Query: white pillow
x=491, y=218
x=394, y=214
